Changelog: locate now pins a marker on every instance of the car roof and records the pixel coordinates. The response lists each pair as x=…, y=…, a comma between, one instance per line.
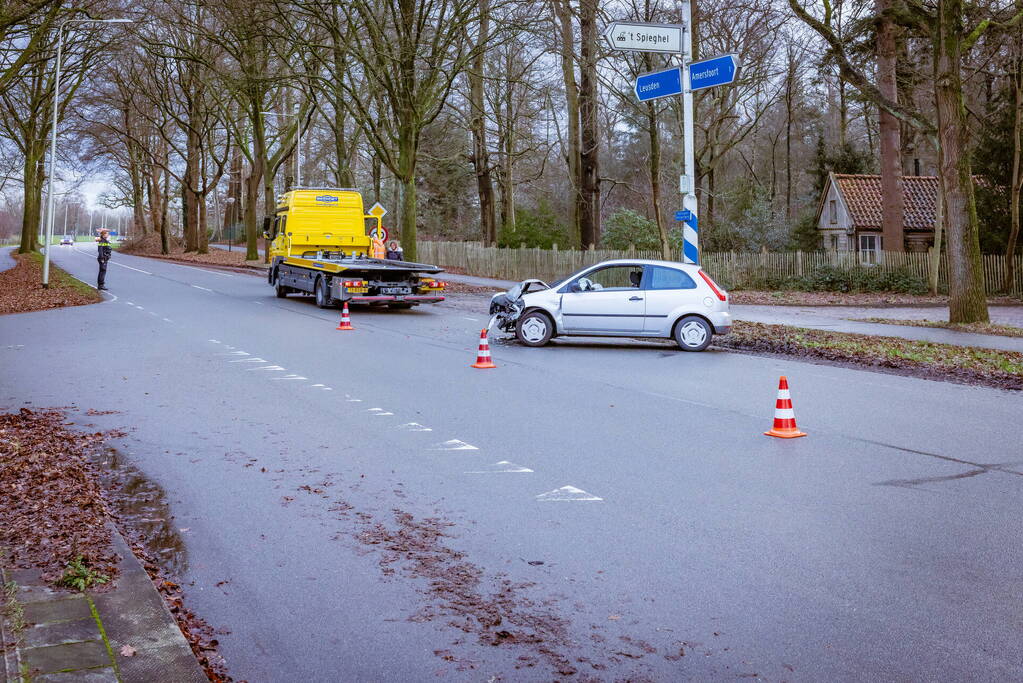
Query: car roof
x=648, y=262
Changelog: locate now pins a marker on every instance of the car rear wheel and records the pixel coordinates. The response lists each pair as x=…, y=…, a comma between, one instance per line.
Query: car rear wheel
x=534, y=328
x=692, y=333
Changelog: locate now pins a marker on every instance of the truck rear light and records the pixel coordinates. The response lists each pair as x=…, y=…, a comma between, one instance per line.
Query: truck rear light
x=721, y=295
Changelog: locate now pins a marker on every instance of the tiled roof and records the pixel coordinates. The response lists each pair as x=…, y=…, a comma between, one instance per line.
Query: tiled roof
x=862, y=196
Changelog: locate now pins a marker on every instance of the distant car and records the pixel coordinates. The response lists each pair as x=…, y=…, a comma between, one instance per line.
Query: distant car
x=66, y=240
x=622, y=298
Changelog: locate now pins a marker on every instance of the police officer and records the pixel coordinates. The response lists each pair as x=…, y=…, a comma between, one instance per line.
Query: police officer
x=103, y=255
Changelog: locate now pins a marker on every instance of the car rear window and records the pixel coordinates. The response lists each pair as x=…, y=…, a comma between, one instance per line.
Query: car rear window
x=669, y=278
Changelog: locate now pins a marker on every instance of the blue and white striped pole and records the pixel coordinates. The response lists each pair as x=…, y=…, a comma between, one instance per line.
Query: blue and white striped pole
x=687, y=183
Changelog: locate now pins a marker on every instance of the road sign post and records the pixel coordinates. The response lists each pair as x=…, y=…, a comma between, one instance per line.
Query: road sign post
x=690, y=236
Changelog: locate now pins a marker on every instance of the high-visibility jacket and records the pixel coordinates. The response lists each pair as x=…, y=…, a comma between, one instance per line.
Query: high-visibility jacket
x=103, y=250
x=377, y=249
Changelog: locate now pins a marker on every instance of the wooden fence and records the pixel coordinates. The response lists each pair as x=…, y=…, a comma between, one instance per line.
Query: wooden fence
x=732, y=269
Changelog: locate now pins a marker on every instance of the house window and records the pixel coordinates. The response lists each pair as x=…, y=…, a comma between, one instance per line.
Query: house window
x=870, y=249
x=833, y=211
x=834, y=243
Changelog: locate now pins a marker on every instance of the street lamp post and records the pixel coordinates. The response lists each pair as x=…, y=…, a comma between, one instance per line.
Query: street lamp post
x=53, y=134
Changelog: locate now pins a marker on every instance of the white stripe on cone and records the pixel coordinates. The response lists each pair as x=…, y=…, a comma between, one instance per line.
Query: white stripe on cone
x=784, y=414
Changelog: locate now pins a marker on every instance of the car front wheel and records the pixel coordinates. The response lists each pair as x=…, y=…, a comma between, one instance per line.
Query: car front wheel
x=534, y=328
x=692, y=333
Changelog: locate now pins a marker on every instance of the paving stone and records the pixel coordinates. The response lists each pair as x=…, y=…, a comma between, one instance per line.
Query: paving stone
x=104, y=675
x=66, y=609
x=27, y=577
x=61, y=632
x=36, y=593
x=55, y=658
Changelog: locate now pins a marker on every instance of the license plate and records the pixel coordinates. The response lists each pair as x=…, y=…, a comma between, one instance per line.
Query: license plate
x=395, y=290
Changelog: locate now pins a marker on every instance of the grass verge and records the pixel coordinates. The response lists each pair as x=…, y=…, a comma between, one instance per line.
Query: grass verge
x=872, y=299
x=968, y=365
x=21, y=288
x=975, y=328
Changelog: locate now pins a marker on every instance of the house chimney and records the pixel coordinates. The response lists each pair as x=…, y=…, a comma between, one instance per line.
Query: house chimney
x=916, y=167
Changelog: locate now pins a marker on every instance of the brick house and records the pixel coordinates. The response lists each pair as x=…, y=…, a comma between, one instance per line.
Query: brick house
x=849, y=214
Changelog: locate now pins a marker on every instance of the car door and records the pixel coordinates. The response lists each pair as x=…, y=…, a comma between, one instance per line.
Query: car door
x=607, y=300
x=666, y=290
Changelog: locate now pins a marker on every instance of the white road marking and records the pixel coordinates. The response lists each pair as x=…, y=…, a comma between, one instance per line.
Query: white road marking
x=258, y=303
x=500, y=468
x=204, y=270
x=167, y=320
x=248, y=360
x=317, y=385
x=130, y=268
x=205, y=289
x=378, y=411
x=468, y=318
x=413, y=427
x=139, y=307
x=567, y=493
x=268, y=367
x=239, y=353
x=453, y=445
x=152, y=313
x=215, y=341
x=289, y=377
x=129, y=303
x=352, y=400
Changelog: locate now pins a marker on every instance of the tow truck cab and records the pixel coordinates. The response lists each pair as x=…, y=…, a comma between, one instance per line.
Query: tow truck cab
x=319, y=245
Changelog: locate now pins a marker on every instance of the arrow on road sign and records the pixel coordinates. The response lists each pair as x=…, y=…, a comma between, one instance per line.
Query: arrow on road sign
x=659, y=84
x=708, y=73
x=644, y=37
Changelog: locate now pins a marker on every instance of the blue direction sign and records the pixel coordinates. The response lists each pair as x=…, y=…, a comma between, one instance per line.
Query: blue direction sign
x=711, y=72
x=659, y=84
x=684, y=215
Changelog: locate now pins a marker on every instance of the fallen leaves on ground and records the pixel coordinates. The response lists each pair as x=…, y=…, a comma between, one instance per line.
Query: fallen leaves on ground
x=971, y=365
x=21, y=288
x=128, y=651
x=149, y=247
x=53, y=510
x=792, y=298
x=975, y=328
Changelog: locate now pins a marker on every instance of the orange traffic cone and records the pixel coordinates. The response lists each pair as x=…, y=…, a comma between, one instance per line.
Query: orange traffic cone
x=346, y=323
x=784, y=419
x=483, y=360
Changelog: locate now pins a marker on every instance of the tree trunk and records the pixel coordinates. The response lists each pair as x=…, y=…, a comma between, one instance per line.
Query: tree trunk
x=790, y=96
x=967, y=303
x=892, y=198
x=589, y=159
x=254, y=181
x=478, y=126
x=935, y=256
x=407, y=148
x=563, y=10
x=1014, y=190
x=33, y=177
x=164, y=204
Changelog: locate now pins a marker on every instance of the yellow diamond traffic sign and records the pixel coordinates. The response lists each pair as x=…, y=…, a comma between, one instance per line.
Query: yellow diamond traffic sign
x=377, y=211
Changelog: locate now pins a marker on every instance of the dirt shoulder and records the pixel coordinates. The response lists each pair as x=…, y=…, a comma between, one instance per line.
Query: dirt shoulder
x=865, y=299
x=967, y=365
x=973, y=328
x=21, y=288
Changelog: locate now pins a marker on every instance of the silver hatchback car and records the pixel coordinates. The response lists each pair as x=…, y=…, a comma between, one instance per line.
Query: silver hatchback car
x=621, y=298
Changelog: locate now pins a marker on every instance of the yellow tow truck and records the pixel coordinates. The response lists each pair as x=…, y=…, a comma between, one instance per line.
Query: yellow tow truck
x=319, y=245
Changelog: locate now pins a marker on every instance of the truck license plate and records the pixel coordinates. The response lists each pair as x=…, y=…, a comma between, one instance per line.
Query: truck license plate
x=394, y=290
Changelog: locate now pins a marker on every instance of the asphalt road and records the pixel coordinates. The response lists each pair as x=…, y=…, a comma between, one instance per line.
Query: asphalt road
x=884, y=546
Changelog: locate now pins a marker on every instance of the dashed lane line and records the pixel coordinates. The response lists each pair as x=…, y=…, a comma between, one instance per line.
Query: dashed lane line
x=205, y=289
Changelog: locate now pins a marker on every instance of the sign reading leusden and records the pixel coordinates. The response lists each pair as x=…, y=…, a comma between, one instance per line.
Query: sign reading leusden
x=644, y=37
x=659, y=84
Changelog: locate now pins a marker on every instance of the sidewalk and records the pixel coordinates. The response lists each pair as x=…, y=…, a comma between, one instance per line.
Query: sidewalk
x=836, y=318
x=6, y=260
x=124, y=634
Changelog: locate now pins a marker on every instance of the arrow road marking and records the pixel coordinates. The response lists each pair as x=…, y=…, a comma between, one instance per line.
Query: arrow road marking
x=501, y=467
x=454, y=445
x=567, y=493
x=413, y=427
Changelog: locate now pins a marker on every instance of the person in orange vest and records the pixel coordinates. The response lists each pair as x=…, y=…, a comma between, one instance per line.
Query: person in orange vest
x=377, y=249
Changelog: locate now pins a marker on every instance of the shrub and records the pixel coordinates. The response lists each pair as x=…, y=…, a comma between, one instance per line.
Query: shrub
x=626, y=227
x=535, y=228
x=858, y=279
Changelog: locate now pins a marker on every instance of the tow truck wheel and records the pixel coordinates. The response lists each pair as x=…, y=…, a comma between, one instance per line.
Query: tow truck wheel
x=323, y=298
x=534, y=328
x=280, y=289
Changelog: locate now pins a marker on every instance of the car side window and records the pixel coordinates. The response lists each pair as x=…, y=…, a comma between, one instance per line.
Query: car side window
x=611, y=278
x=669, y=278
